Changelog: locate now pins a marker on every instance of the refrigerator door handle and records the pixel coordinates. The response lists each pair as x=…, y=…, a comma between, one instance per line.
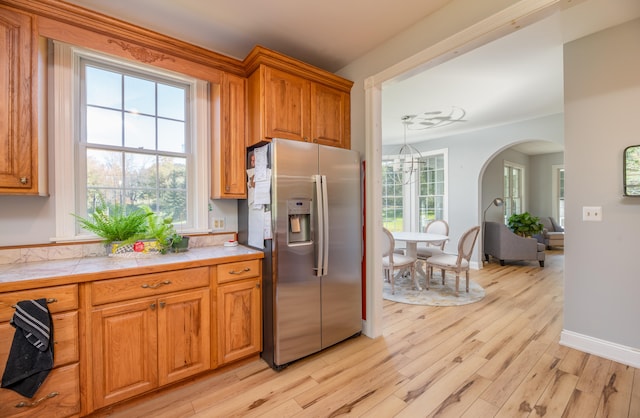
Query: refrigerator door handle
x=325, y=231
x=320, y=229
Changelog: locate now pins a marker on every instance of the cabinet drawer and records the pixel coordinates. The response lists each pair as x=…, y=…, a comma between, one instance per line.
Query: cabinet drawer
x=237, y=271
x=59, y=299
x=65, y=340
x=107, y=291
x=59, y=396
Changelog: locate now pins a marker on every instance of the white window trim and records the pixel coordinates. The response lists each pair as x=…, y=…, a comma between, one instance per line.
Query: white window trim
x=555, y=190
x=523, y=186
x=63, y=121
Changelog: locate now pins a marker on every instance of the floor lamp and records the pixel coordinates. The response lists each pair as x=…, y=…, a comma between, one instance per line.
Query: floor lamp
x=498, y=201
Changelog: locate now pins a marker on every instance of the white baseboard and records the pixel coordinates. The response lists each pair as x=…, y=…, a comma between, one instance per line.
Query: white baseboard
x=612, y=351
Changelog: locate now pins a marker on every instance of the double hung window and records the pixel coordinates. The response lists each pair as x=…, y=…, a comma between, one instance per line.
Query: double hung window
x=127, y=134
x=409, y=204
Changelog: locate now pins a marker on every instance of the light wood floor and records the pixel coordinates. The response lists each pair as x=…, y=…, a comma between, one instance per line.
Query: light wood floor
x=496, y=358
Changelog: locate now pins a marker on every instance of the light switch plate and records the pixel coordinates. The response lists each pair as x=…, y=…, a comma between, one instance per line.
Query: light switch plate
x=592, y=213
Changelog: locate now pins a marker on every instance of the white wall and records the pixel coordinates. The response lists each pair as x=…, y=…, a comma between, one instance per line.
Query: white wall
x=602, y=98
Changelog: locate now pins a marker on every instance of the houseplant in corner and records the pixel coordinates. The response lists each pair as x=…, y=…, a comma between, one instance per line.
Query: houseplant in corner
x=524, y=224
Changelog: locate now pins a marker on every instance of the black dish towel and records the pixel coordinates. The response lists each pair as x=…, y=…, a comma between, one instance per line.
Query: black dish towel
x=31, y=355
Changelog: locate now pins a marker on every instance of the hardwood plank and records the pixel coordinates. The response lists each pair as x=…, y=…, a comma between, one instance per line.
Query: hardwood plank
x=581, y=405
x=557, y=394
x=616, y=395
x=634, y=407
x=480, y=409
x=524, y=398
x=506, y=383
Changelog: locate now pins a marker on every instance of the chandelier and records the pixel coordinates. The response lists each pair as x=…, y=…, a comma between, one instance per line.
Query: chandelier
x=434, y=119
x=407, y=162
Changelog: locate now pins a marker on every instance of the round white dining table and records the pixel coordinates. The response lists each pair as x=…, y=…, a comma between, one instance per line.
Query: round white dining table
x=412, y=239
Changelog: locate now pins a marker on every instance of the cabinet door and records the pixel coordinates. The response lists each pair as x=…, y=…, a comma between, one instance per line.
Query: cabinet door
x=124, y=356
x=239, y=320
x=17, y=105
x=183, y=335
x=228, y=159
x=286, y=106
x=330, y=116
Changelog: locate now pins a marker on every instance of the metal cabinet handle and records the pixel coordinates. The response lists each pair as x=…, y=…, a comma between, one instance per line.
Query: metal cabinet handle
x=258, y=285
x=162, y=304
x=35, y=403
x=246, y=269
x=155, y=286
x=50, y=300
x=153, y=306
x=24, y=180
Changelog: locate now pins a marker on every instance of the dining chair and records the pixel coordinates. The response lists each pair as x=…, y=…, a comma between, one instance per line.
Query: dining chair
x=392, y=261
x=455, y=262
x=437, y=226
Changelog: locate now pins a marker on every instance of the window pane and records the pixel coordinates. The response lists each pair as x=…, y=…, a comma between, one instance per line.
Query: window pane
x=104, y=126
x=171, y=136
x=140, y=131
x=103, y=88
x=139, y=95
x=141, y=170
x=171, y=102
x=104, y=169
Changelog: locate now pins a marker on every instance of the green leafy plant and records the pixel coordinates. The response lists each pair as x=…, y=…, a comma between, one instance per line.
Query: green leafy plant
x=114, y=224
x=524, y=224
x=160, y=229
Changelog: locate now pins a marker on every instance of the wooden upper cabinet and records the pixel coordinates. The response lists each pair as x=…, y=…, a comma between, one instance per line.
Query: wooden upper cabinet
x=18, y=104
x=228, y=180
x=292, y=100
x=286, y=107
x=330, y=116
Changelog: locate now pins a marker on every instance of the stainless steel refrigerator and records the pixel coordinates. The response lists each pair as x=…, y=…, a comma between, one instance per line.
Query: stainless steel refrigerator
x=312, y=296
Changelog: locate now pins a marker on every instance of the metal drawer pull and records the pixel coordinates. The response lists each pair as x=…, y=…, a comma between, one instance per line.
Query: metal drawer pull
x=246, y=269
x=24, y=404
x=155, y=286
x=50, y=300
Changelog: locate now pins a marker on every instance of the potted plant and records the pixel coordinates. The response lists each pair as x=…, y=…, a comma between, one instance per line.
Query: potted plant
x=524, y=224
x=179, y=243
x=159, y=229
x=115, y=224
x=139, y=231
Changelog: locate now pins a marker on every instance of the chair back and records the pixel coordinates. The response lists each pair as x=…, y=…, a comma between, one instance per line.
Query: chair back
x=438, y=226
x=388, y=244
x=466, y=243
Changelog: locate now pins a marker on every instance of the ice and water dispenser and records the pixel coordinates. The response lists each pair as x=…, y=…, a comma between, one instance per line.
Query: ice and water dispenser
x=299, y=216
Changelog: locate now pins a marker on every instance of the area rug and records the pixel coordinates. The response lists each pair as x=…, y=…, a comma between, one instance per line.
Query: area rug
x=437, y=295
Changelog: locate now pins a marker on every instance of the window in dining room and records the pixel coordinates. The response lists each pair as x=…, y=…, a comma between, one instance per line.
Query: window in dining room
x=408, y=205
x=392, y=197
x=431, y=190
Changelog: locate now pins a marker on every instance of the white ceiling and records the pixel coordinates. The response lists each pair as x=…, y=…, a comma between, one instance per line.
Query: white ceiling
x=514, y=78
x=328, y=34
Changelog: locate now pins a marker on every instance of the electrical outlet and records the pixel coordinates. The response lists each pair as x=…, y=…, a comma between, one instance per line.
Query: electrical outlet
x=592, y=213
x=218, y=224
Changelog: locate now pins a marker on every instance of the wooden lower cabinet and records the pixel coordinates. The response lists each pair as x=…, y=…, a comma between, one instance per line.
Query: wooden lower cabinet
x=239, y=319
x=140, y=345
x=59, y=395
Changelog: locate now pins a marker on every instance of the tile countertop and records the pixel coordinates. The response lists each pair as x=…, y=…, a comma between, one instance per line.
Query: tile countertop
x=52, y=272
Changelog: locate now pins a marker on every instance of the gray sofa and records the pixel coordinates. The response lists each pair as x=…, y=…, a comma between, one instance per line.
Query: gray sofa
x=553, y=233
x=501, y=243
